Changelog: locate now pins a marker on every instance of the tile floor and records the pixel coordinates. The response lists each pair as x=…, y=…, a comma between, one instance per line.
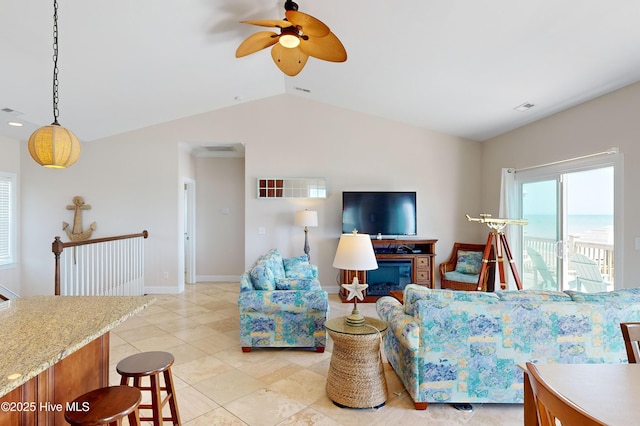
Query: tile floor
x=218, y=384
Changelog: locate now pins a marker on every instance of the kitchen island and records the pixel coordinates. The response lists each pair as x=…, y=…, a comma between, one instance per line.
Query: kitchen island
x=55, y=348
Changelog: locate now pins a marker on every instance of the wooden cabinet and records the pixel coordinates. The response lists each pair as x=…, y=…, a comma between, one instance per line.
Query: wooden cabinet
x=43, y=399
x=408, y=261
x=424, y=271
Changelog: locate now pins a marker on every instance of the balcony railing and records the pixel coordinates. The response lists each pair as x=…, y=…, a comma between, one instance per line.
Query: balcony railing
x=601, y=253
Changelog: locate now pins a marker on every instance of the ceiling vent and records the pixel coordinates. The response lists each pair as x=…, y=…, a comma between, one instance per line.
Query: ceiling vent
x=220, y=148
x=11, y=111
x=524, y=107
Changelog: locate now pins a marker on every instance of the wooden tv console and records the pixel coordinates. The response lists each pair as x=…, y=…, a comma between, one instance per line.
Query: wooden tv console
x=420, y=252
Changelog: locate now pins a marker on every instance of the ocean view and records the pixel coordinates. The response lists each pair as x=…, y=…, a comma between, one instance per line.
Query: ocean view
x=543, y=225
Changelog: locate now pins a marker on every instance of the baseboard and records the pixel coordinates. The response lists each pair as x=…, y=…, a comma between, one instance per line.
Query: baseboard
x=162, y=290
x=331, y=289
x=217, y=278
x=5, y=293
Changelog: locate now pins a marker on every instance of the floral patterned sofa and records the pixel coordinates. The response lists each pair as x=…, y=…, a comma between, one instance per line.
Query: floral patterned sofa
x=282, y=304
x=465, y=347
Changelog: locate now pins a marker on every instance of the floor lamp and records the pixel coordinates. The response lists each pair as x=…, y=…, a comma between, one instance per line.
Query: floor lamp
x=306, y=218
x=355, y=253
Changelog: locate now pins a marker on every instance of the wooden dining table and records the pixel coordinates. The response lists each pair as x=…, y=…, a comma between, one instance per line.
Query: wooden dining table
x=609, y=392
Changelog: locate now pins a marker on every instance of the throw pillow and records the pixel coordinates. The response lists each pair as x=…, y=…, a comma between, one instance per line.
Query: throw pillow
x=296, y=267
x=294, y=284
x=301, y=271
x=469, y=262
x=262, y=277
x=273, y=258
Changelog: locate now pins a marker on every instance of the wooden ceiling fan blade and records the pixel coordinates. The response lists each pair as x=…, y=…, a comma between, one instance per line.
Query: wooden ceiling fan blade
x=307, y=23
x=290, y=61
x=255, y=42
x=327, y=48
x=275, y=23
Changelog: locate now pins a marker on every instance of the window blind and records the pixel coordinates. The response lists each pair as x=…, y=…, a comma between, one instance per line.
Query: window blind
x=7, y=219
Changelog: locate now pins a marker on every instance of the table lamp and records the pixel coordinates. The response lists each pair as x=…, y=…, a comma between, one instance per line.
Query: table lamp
x=306, y=218
x=355, y=253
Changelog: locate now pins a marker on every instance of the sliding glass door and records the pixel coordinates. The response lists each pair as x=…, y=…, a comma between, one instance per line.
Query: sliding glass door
x=542, y=237
x=569, y=241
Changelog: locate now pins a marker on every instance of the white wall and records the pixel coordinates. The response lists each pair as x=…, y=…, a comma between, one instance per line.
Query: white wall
x=292, y=137
x=595, y=126
x=219, y=218
x=10, y=162
x=133, y=182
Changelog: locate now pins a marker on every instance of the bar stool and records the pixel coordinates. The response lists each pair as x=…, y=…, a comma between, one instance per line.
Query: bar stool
x=105, y=406
x=152, y=364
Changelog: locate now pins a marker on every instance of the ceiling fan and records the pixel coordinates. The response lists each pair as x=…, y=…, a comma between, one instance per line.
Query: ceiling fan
x=300, y=36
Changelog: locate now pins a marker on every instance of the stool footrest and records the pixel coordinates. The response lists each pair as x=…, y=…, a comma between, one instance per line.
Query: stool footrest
x=150, y=406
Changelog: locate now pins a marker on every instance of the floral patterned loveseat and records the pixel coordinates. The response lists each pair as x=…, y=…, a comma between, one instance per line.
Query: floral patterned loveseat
x=465, y=347
x=282, y=304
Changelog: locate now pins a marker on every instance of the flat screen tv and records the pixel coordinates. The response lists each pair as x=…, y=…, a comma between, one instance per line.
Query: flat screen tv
x=389, y=213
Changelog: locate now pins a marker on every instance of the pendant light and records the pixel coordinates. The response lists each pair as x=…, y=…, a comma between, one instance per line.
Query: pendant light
x=54, y=146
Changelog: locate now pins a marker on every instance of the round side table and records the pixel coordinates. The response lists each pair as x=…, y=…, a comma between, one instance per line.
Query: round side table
x=356, y=375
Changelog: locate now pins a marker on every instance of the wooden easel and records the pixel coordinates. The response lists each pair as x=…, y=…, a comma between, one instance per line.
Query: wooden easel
x=497, y=237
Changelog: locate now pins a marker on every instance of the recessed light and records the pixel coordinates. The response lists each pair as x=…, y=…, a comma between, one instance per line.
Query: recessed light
x=524, y=107
x=15, y=124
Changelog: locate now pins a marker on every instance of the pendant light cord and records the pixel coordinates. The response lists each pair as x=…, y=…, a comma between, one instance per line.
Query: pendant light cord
x=55, y=63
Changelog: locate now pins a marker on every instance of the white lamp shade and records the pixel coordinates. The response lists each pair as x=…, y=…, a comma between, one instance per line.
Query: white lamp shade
x=355, y=253
x=306, y=218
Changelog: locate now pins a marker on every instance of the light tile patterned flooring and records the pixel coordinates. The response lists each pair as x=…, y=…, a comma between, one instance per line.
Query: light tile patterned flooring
x=218, y=384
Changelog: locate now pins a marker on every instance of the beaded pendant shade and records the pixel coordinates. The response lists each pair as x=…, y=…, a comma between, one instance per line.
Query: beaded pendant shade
x=54, y=146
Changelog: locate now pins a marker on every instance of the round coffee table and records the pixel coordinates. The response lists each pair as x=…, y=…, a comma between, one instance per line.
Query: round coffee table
x=356, y=375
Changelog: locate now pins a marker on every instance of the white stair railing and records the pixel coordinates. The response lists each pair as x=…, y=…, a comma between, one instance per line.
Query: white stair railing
x=112, y=266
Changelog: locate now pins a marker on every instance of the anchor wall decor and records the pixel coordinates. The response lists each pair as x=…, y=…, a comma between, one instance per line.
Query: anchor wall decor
x=77, y=234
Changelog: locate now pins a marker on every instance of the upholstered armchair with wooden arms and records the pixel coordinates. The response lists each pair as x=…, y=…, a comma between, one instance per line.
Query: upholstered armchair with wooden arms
x=462, y=270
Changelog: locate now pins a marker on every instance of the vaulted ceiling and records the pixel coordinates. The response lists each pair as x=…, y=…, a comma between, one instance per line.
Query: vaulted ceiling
x=455, y=66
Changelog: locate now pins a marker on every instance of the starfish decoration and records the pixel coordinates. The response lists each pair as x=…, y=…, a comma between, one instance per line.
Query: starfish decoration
x=355, y=289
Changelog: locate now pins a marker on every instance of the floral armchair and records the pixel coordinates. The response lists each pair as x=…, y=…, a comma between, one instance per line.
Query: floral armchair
x=282, y=304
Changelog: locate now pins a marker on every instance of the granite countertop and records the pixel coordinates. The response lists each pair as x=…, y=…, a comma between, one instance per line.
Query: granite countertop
x=37, y=332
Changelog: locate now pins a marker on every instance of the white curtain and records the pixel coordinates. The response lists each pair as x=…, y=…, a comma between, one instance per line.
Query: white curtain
x=509, y=203
x=508, y=197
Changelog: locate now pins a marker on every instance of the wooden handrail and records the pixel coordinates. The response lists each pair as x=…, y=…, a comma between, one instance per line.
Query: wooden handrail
x=58, y=246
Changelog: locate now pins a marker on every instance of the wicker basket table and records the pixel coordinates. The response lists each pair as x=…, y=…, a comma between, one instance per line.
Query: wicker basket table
x=356, y=375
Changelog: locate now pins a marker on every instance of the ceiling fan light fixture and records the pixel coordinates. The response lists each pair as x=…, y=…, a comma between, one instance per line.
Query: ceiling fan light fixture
x=289, y=41
x=300, y=37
